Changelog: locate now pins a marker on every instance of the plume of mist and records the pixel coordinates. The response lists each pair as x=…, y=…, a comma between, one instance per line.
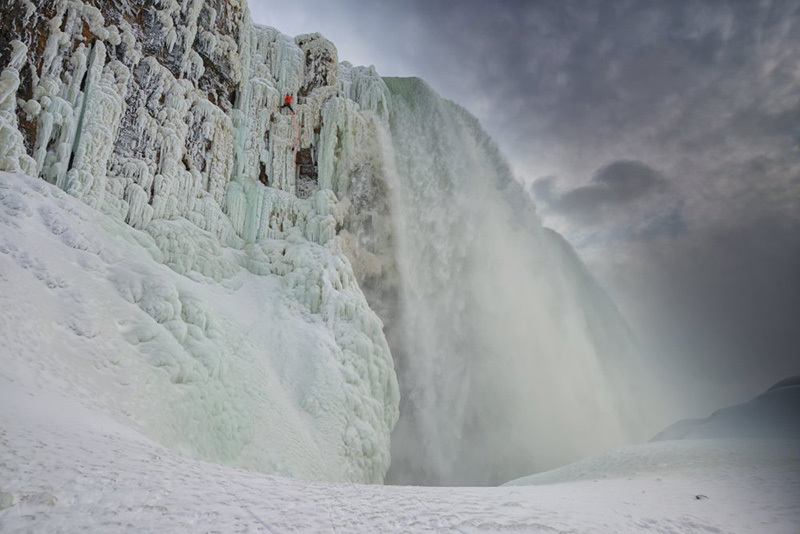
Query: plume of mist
x=511, y=359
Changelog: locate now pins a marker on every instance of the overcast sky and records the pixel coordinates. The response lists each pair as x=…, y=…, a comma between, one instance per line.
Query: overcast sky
x=660, y=137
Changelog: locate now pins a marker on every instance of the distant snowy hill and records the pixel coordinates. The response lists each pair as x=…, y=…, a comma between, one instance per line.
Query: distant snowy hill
x=773, y=414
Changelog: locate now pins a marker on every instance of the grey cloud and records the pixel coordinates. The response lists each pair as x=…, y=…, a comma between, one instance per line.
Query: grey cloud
x=544, y=189
x=670, y=223
x=613, y=186
x=727, y=299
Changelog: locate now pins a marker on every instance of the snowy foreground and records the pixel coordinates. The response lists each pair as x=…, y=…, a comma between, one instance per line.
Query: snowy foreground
x=105, y=412
x=65, y=468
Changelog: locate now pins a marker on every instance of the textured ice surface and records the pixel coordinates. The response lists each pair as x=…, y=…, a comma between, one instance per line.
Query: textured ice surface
x=173, y=110
x=221, y=275
x=265, y=357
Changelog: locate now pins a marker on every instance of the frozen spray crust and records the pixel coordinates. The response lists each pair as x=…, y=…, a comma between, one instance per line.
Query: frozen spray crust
x=166, y=117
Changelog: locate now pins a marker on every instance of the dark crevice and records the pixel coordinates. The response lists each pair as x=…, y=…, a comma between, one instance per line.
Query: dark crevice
x=83, y=80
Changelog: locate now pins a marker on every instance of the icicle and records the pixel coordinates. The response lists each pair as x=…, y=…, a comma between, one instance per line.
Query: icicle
x=13, y=157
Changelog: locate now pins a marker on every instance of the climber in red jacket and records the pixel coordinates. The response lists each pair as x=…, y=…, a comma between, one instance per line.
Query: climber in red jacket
x=287, y=103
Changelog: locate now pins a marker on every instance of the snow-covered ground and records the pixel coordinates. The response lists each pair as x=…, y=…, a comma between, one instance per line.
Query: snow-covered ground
x=106, y=415
x=67, y=468
x=184, y=342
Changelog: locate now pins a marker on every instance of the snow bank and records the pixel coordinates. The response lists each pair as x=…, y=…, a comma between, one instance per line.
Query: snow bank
x=66, y=467
x=265, y=357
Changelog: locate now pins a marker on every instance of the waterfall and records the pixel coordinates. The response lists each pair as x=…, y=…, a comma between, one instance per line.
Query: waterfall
x=510, y=358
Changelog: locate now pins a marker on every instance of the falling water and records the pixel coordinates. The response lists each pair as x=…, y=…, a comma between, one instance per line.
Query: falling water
x=510, y=358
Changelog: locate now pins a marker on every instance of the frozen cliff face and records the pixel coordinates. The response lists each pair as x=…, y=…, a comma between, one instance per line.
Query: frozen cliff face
x=287, y=374
x=173, y=110
x=165, y=117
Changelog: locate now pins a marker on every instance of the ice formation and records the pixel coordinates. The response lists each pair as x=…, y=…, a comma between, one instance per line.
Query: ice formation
x=284, y=374
x=374, y=206
x=165, y=117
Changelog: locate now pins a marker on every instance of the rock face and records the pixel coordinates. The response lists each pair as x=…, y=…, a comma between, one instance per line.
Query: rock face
x=167, y=116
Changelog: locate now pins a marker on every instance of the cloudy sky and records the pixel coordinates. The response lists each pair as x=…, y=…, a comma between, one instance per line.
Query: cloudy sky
x=660, y=137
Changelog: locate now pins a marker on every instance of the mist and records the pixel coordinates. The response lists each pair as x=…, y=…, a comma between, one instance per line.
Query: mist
x=694, y=102
x=510, y=358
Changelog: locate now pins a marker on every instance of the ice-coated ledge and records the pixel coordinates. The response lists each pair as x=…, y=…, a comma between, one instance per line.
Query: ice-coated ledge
x=146, y=113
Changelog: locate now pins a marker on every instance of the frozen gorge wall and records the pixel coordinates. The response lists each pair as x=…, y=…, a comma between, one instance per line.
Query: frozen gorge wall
x=376, y=208
x=164, y=117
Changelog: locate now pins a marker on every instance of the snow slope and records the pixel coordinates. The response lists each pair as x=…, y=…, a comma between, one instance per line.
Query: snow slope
x=278, y=364
x=66, y=467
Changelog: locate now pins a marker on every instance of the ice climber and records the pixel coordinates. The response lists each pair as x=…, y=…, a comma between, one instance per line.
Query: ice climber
x=287, y=103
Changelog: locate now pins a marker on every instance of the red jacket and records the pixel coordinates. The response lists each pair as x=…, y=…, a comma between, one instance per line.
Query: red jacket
x=288, y=99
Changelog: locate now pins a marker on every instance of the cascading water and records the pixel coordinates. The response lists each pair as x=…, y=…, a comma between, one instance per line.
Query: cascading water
x=508, y=354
